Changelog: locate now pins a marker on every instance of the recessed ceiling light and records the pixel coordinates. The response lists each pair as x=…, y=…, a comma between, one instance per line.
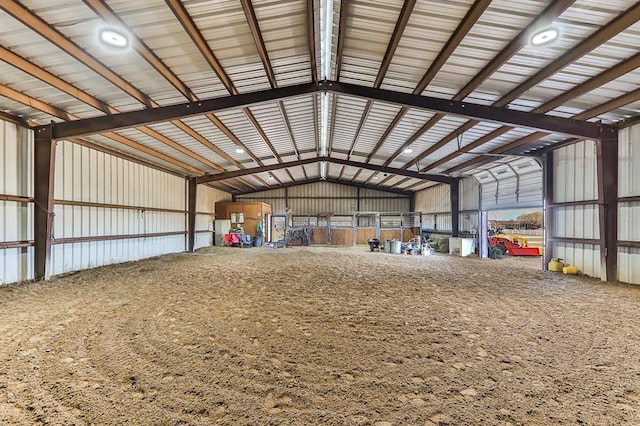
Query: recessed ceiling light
x=114, y=38
x=544, y=36
x=408, y=150
x=375, y=177
x=239, y=150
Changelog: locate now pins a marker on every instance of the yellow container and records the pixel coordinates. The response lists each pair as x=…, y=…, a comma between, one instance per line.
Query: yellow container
x=555, y=265
x=570, y=270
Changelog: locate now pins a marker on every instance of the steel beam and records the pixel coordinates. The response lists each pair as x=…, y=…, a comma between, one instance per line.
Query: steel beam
x=607, y=166
x=332, y=180
x=124, y=120
x=254, y=170
x=500, y=115
x=43, y=176
x=192, y=187
x=267, y=168
x=454, y=194
x=390, y=170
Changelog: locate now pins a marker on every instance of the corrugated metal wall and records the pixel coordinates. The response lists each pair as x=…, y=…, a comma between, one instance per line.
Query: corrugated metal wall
x=435, y=205
x=629, y=211
x=126, y=195
x=575, y=179
x=16, y=209
x=206, y=199
x=329, y=197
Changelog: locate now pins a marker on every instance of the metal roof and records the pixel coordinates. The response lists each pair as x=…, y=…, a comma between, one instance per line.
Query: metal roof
x=476, y=53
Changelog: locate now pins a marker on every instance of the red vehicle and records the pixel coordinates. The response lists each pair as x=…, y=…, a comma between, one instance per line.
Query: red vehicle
x=514, y=245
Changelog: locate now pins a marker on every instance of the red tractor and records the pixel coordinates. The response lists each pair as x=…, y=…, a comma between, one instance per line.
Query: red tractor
x=513, y=244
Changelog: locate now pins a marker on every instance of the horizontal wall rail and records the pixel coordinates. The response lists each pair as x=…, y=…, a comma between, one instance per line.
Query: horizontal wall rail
x=115, y=237
x=116, y=206
x=16, y=198
x=15, y=244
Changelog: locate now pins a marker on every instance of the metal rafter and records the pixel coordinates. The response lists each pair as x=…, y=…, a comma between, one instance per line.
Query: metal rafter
x=56, y=82
x=355, y=176
x=472, y=16
x=311, y=40
x=593, y=112
x=41, y=27
x=571, y=127
x=287, y=123
x=339, y=182
x=273, y=167
x=342, y=30
x=611, y=74
x=166, y=113
x=544, y=19
x=107, y=14
x=401, y=24
x=252, y=20
x=38, y=25
x=619, y=24
x=531, y=120
x=58, y=113
x=182, y=15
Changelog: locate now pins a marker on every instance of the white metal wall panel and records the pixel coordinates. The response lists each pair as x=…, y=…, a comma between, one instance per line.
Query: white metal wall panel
x=86, y=175
x=16, y=219
x=628, y=216
x=469, y=193
x=628, y=261
x=576, y=222
x=435, y=199
x=586, y=257
x=328, y=197
x=575, y=173
x=393, y=204
x=575, y=179
x=629, y=162
x=629, y=212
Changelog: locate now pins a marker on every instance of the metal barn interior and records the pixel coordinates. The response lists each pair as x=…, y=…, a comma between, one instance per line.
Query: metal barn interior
x=118, y=152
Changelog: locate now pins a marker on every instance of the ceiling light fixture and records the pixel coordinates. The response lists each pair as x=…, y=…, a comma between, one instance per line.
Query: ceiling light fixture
x=408, y=150
x=114, y=38
x=545, y=36
x=239, y=150
x=270, y=176
x=375, y=177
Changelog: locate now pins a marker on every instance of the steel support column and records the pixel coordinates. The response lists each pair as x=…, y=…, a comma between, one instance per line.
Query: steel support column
x=191, y=213
x=455, y=206
x=547, y=173
x=607, y=164
x=43, y=176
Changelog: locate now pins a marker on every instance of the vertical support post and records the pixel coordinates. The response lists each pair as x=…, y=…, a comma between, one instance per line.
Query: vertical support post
x=455, y=206
x=191, y=214
x=607, y=164
x=547, y=173
x=43, y=176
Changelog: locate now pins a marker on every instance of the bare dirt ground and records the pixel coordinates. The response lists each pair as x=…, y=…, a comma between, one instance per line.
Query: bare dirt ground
x=318, y=336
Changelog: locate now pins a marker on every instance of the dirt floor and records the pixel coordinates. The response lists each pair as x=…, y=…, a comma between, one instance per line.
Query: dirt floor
x=318, y=336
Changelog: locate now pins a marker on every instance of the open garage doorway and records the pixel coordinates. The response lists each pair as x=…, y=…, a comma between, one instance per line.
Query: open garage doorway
x=511, y=200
